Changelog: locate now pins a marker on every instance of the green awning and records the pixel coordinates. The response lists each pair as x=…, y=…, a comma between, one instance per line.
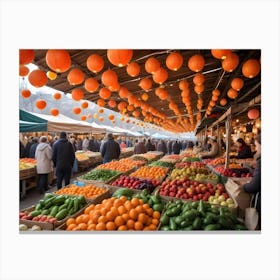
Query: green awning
x=31, y=123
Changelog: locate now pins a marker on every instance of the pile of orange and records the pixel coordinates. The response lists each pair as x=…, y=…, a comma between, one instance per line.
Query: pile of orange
x=132, y=163
x=150, y=172
x=116, y=214
x=88, y=191
x=116, y=165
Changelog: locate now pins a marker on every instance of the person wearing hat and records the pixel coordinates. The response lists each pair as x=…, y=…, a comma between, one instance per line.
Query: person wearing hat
x=44, y=166
x=110, y=149
x=63, y=159
x=214, y=150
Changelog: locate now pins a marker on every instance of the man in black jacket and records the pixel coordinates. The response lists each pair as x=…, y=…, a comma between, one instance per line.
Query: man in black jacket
x=63, y=159
x=110, y=149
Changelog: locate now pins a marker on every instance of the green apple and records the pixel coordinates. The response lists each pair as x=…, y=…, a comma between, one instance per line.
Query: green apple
x=216, y=201
x=221, y=198
x=211, y=198
x=230, y=201
x=223, y=203
x=231, y=205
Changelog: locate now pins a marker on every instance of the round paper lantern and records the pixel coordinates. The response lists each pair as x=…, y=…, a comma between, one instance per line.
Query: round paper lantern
x=112, y=103
x=77, y=94
x=91, y=85
x=136, y=114
x=183, y=85
x=119, y=57
x=75, y=77
x=133, y=69
x=26, y=56
x=251, y=68
x=185, y=93
x=122, y=105
x=38, y=78
x=41, y=104
x=130, y=108
x=132, y=99
x=122, y=118
x=58, y=60
x=215, y=98
x=152, y=65
x=23, y=70
x=127, y=121
x=174, y=61
x=146, y=84
x=51, y=75
x=109, y=78
x=101, y=119
x=198, y=79
x=161, y=93
x=124, y=92
x=220, y=54
x=237, y=84
x=57, y=96
x=95, y=115
x=160, y=76
x=54, y=112
x=25, y=93
x=232, y=93
x=253, y=114
x=95, y=63
x=111, y=117
x=196, y=63
x=104, y=93
x=84, y=105
x=137, y=103
x=223, y=102
x=172, y=105
x=230, y=62
x=101, y=102
x=77, y=110
x=212, y=103
x=100, y=111
x=83, y=118
x=216, y=92
x=199, y=89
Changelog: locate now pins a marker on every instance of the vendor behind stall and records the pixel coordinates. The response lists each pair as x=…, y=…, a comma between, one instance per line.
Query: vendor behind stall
x=244, y=151
x=214, y=150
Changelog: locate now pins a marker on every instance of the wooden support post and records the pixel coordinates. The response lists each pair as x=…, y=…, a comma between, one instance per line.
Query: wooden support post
x=228, y=140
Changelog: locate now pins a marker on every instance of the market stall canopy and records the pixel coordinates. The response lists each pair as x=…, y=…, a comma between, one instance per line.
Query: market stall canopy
x=31, y=123
x=159, y=136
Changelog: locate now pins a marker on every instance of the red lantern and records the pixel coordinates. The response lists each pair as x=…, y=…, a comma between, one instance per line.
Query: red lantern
x=41, y=104
x=58, y=60
x=253, y=114
x=84, y=105
x=83, y=118
x=174, y=61
x=122, y=105
x=23, y=70
x=25, y=93
x=54, y=112
x=145, y=96
x=146, y=84
x=160, y=76
x=119, y=57
x=124, y=92
x=196, y=63
x=104, y=93
x=57, y=96
x=77, y=94
x=111, y=117
x=95, y=63
x=216, y=92
x=199, y=89
x=230, y=62
x=38, y=78
x=152, y=65
x=75, y=77
x=133, y=69
x=223, y=102
x=109, y=78
x=112, y=103
x=237, y=84
x=232, y=93
x=101, y=119
x=101, y=102
x=183, y=85
x=77, y=110
x=251, y=68
x=26, y=56
x=220, y=54
x=198, y=79
x=91, y=85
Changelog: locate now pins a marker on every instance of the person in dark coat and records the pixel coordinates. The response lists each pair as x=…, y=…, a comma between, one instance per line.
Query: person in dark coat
x=244, y=151
x=93, y=145
x=254, y=186
x=139, y=147
x=150, y=146
x=169, y=147
x=33, y=148
x=28, y=146
x=161, y=147
x=110, y=149
x=176, y=147
x=63, y=159
x=21, y=150
x=80, y=144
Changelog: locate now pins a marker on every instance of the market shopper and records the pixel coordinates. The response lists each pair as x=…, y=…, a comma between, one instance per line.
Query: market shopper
x=28, y=146
x=169, y=146
x=123, y=145
x=176, y=147
x=33, y=147
x=214, y=150
x=80, y=144
x=150, y=146
x=63, y=159
x=85, y=144
x=161, y=147
x=139, y=147
x=244, y=151
x=110, y=149
x=21, y=150
x=44, y=166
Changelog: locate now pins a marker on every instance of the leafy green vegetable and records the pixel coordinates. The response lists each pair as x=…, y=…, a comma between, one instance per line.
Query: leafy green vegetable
x=100, y=174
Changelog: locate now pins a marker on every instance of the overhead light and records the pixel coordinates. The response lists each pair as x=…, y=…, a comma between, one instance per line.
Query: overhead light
x=237, y=120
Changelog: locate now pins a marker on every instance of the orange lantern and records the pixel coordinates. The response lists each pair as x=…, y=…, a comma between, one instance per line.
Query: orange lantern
x=84, y=105
x=101, y=102
x=137, y=103
x=230, y=62
x=115, y=87
x=25, y=93
x=237, y=84
x=124, y=92
x=104, y=93
x=130, y=108
x=112, y=103
x=183, y=85
x=122, y=105
x=101, y=119
x=174, y=61
x=216, y=92
x=57, y=96
x=119, y=57
x=253, y=114
x=161, y=93
x=23, y=70
x=127, y=121
x=215, y=98
x=109, y=78
x=199, y=89
x=111, y=117
x=95, y=115
x=223, y=102
x=136, y=114
x=220, y=54
x=232, y=93
x=91, y=84
x=198, y=79
x=83, y=118
x=38, y=78
x=75, y=77
x=26, y=56
x=54, y=112
x=212, y=103
x=132, y=99
x=51, y=75
x=152, y=65
x=122, y=118
x=251, y=68
x=160, y=76
x=100, y=111
x=196, y=63
x=172, y=105
x=95, y=63
x=77, y=110
x=58, y=60
x=41, y=104
x=133, y=69
x=146, y=84
x=77, y=94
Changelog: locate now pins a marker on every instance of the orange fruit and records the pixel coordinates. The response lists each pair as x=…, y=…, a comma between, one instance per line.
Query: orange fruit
x=91, y=227
x=98, y=207
x=156, y=215
x=152, y=227
x=155, y=222
x=119, y=221
x=118, y=203
x=100, y=226
x=71, y=227
x=128, y=205
x=146, y=228
x=142, y=218
x=146, y=206
x=125, y=216
x=139, y=209
x=82, y=226
x=121, y=210
x=130, y=224
x=138, y=226
x=111, y=226
x=110, y=216
x=89, y=208
x=149, y=212
x=85, y=218
x=123, y=227
x=102, y=219
x=123, y=198
x=108, y=205
x=79, y=219
x=104, y=211
x=133, y=214
x=70, y=221
x=141, y=201
x=115, y=211
x=95, y=218
x=135, y=201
